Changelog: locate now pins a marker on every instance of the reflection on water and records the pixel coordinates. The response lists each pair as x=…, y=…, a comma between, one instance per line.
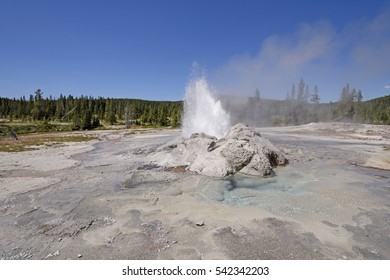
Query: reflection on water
x=234, y=188
x=304, y=192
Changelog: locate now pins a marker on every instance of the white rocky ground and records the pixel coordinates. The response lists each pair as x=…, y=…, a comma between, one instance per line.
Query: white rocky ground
x=110, y=199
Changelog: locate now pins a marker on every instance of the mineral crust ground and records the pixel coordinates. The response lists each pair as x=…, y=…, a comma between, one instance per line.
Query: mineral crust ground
x=109, y=199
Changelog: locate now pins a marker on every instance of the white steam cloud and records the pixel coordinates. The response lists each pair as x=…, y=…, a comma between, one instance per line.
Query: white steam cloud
x=318, y=53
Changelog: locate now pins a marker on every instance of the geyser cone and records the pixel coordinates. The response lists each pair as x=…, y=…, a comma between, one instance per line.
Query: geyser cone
x=202, y=112
x=243, y=150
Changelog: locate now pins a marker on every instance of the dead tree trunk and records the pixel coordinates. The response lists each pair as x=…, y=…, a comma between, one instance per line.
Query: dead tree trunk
x=127, y=117
x=13, y=135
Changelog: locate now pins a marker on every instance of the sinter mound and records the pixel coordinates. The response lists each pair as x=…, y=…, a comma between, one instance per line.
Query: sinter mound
x=243, y=150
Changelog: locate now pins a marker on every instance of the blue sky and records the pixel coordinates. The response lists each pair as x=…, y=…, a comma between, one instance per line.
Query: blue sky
x=145, y=49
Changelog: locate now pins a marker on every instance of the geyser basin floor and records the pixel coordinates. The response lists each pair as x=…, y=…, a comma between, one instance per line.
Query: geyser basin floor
x=106, y=202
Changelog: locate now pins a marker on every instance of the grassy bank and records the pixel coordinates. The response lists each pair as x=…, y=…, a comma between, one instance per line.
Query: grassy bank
x=21, y=128
x=35, y=141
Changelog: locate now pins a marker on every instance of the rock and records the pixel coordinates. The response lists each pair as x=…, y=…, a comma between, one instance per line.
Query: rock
x=237, y=154
x=200, y=223
x=79, y=256
x=243, y=150
x=56, y=253
x=242, y=132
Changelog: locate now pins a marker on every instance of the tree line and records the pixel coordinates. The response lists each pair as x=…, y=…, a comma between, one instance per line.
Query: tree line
x=302, y=106
x=86, y=112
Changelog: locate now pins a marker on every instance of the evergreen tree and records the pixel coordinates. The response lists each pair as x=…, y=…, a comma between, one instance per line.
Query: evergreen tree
x=257, y=95
x=346, y=107
x=315, y=98
x=307, y=94
x=95, y=122
x=359, y=96
x=301, y=90
x=37, y=110
x=163, y=116
x=86, y=120
x=293, y=92
x=127, y=117
x=110, y=113
x=175, y=118
x=288, y=96
x=76, y=115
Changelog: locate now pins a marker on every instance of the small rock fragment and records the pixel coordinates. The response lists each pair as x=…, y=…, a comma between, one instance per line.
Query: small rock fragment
x=56, y=253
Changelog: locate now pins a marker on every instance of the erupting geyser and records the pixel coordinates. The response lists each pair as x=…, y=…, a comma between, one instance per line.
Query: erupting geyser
x=210, y=146
x=202, y=112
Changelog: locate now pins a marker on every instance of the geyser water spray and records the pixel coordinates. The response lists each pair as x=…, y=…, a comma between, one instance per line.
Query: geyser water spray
x=202, y=111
